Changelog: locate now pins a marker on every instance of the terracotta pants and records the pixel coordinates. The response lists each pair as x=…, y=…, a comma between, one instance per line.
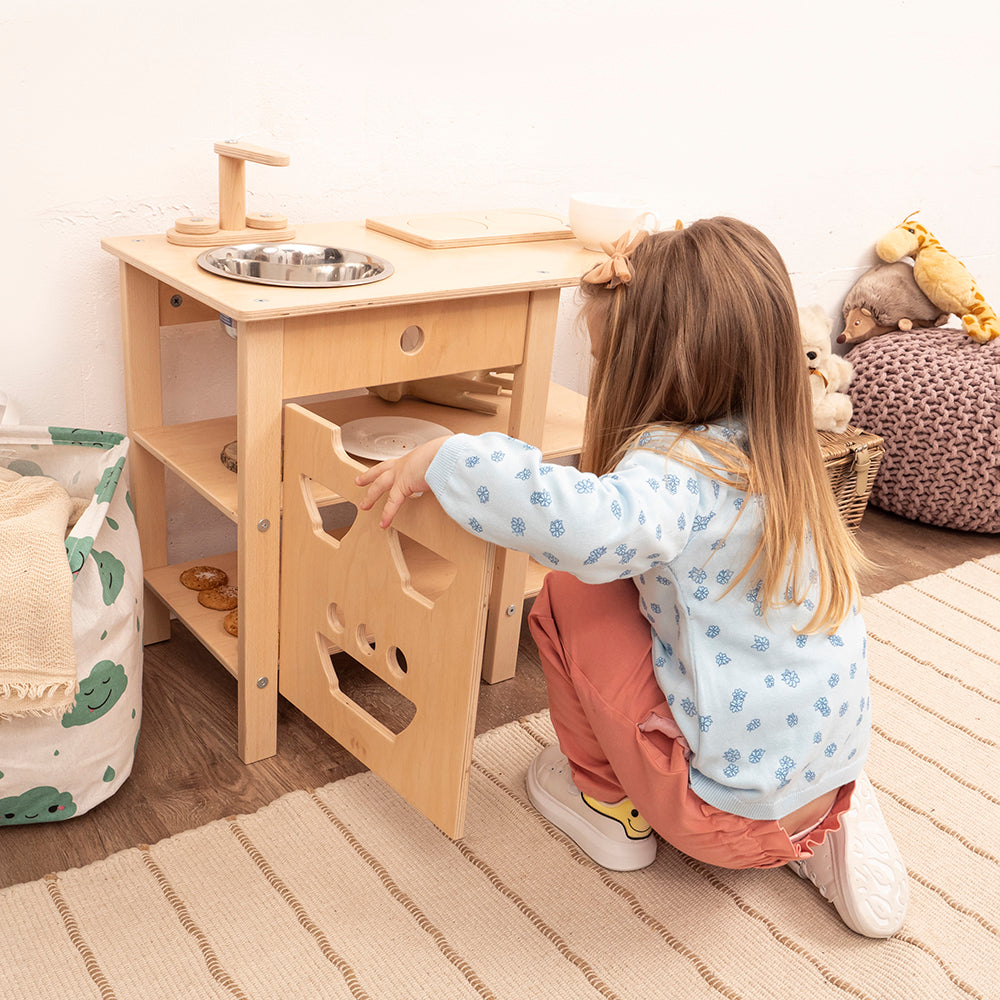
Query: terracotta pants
x=595, y=650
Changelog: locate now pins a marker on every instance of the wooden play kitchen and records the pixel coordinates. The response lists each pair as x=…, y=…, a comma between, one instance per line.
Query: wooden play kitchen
x=423, y=607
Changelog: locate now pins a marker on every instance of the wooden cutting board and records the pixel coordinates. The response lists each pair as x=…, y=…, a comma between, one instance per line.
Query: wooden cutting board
x=470, y=229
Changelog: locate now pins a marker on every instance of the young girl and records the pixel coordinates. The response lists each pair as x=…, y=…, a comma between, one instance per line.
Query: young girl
x=700, y=634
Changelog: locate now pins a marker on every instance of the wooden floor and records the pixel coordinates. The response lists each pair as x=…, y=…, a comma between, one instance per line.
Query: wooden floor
x=187, y=772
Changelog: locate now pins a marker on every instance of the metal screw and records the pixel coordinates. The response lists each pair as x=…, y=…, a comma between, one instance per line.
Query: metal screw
x=176, y=300
x=262, y=682
x=510, y=610
x=263, y=524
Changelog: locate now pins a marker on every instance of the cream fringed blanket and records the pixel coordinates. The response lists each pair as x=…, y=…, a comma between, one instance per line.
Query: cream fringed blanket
x=37, y=660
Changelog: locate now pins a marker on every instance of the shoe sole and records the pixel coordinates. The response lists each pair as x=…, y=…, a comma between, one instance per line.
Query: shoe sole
x=872, y=865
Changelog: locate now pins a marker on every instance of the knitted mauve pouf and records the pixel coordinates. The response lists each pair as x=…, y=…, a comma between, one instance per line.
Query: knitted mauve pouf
x=933, y=396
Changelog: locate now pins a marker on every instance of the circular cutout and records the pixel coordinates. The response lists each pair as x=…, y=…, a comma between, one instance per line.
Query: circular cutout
x=333, y=616
x=397, y=659
x=365, y=644
x=412, y=340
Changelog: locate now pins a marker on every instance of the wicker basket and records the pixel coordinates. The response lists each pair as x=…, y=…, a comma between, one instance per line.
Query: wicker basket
x=852, y=460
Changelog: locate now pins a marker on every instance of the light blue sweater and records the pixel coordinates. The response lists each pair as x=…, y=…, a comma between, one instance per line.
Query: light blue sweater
x=774, y=718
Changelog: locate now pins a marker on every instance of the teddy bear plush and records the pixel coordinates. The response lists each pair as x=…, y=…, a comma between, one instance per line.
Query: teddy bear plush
x=829, y=374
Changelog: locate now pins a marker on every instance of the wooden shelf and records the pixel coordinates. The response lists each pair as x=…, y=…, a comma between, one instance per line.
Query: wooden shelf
x=429, y=578
x=203, y=622
x=192, y=450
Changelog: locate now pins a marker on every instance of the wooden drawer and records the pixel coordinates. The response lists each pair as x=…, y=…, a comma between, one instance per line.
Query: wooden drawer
x=348, y=350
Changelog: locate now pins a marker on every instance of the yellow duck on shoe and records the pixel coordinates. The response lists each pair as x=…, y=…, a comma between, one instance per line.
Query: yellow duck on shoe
x=612, y=834
x=636, y=828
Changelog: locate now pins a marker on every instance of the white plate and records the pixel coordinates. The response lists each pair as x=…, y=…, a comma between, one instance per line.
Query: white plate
x=387, y=437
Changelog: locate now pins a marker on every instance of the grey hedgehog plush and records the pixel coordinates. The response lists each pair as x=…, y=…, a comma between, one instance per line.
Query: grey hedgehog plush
x=883, y=299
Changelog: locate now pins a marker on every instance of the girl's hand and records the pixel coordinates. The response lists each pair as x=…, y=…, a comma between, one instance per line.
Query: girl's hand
x=399, y=478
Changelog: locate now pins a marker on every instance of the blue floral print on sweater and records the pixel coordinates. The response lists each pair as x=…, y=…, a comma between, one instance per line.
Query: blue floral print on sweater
x=774, y=717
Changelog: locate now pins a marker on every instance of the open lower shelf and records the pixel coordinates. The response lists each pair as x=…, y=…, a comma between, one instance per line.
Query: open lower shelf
x=203, y=622
x=206, y=624
x=193, y=450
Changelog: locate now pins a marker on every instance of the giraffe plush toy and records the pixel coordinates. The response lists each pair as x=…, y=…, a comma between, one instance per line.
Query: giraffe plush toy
x=944, y=279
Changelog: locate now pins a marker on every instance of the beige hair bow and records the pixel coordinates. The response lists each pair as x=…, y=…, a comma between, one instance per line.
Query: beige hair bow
x=615, y=270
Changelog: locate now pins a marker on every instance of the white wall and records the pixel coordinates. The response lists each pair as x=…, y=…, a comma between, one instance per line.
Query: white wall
x=823, y=125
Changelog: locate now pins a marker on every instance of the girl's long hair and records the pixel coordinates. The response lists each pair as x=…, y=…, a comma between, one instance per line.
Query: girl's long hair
x=707, y=329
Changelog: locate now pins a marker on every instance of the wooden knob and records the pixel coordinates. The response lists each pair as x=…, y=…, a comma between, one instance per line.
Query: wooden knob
x=266, y=220
x=196, y=224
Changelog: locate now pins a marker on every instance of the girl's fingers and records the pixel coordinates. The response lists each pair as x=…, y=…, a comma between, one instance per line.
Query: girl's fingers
x=399, y=478
x=370, y=475
x=375, y=490
x=392, y=504
x=378, y=479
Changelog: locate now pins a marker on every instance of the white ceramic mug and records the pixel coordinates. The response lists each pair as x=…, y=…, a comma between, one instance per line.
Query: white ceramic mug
x=597, y=218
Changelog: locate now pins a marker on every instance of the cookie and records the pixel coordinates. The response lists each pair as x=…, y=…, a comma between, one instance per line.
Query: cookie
x=231, y=623
x=219, y=598
x=203, y=578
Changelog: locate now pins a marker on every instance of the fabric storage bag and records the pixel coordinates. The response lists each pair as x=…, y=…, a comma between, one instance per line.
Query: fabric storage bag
x=56, y=767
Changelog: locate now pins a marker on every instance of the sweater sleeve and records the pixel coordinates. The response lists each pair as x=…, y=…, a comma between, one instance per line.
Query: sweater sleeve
x=599, y=528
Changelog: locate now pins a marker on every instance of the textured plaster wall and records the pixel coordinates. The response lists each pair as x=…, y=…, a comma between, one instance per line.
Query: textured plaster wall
x=822, y=125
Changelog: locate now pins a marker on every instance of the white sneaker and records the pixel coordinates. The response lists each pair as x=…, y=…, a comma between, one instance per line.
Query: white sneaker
x=613, y=835
x=859, y=869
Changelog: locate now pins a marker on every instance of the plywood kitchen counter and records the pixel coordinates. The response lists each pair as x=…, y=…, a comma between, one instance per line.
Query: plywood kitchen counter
x=442, y=312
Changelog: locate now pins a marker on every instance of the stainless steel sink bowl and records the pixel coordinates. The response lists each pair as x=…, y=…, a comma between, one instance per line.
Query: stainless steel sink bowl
x=301, y=265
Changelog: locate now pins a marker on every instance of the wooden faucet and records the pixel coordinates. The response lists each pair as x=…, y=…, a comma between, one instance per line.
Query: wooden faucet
x=234, y=225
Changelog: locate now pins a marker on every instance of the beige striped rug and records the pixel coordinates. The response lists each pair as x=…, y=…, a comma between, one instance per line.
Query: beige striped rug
x=346, y=892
